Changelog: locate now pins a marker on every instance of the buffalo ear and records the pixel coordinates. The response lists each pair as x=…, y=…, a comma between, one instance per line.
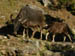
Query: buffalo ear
x=11, y=17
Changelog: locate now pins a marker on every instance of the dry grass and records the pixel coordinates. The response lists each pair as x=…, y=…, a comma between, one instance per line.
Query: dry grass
x=8, y=7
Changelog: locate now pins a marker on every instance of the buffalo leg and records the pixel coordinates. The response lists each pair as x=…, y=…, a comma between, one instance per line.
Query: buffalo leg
x=27, y=35
x=69, y=37
x=53, y=38
x=24, y=34
x=41, y=35
x=47, y=36
x=33, y=34
x=64, y=38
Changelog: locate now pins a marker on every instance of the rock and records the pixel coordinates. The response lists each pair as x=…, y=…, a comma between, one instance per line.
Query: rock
x=48, y=53
x=2, y=17
x=46, y=3
x=30, y=50
x=73, y=30
x=3, y=37
x=3, y=52
x=57, y=54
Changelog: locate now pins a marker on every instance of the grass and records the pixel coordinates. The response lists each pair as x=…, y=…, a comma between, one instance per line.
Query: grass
x=7, y=7
x=68, y=3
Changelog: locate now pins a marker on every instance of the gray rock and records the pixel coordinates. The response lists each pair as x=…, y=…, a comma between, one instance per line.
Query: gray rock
x=46, y=2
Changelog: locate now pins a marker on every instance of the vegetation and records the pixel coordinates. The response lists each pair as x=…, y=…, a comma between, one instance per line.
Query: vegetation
x=10, y=45
x=69, y=4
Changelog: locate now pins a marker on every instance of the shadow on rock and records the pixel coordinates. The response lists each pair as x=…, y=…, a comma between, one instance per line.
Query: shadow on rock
x=5, y=30
x=50, y=19
x=9, y=30
x=69, y=53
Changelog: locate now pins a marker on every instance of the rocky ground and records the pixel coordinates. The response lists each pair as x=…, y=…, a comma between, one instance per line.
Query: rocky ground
x=34, y=47
x=17, y=46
